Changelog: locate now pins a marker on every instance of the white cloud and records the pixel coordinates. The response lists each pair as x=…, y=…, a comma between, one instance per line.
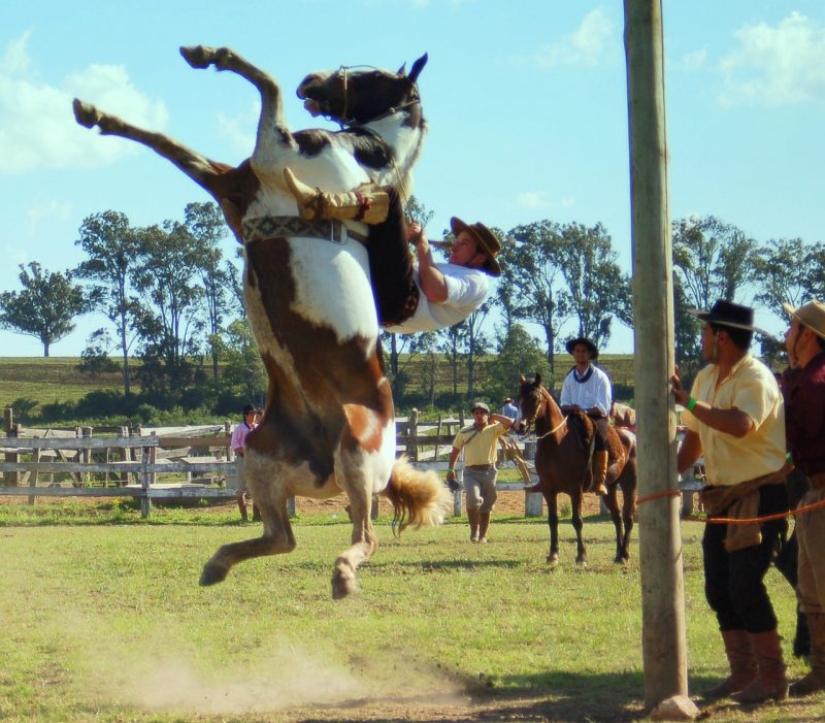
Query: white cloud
x=50, y=211
x=240, y=130
x=532, y=200
x=593, y=40
x=694, y=60
x=39, y=130
x=781, y=65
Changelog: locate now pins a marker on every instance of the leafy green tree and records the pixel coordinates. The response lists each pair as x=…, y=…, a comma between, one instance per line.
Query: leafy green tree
x=45, y=308
x=171, y=329
x=205, y=223
x=787, y=270
x=243, y=376
x=714, y=259
x=518, y=353
x=113, y=249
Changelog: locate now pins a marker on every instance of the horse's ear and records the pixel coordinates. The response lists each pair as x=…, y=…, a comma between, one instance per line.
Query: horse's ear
x=418, y=66
x=522, y=379
x=538, y=379
x=402, y=69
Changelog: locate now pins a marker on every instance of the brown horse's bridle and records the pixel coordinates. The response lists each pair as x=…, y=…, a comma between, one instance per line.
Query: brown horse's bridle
x=527, y=425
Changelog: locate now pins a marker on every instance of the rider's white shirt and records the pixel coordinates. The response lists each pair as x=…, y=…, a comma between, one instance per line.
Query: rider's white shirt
x=595, y=392
x=466, y=291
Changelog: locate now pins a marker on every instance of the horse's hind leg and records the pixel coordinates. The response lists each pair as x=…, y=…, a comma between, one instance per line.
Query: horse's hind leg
x=199, y=168
x=363, y=542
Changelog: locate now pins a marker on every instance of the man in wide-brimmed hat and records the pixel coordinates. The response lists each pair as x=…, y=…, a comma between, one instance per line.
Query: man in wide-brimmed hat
x=735, y=416
x=588, y=388
x=480, y=444
x=411, y=294
x=803, y=387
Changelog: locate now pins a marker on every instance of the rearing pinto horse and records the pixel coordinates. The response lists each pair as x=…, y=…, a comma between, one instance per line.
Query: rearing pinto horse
x=329, y=422
x=562, y=467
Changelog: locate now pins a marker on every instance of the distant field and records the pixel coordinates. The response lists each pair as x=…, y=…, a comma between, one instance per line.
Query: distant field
x=57, y=379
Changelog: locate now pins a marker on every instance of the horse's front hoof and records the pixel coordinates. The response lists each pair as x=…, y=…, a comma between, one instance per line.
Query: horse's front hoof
x=85, y=113
x=581, y=561
x=213, y=574
x=343, y=587
x=552, y=559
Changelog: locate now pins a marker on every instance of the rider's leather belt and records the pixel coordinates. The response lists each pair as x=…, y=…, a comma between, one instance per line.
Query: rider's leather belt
x=480, y=466
x=269, y=227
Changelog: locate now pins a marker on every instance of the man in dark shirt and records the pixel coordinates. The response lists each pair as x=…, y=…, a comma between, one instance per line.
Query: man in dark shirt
x=804, y=391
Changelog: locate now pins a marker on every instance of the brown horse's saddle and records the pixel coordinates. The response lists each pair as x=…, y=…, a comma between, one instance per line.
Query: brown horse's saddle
x=619, y=444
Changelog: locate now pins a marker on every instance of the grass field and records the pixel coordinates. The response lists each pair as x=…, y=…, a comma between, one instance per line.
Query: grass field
x=104, y=622
x=56, y=379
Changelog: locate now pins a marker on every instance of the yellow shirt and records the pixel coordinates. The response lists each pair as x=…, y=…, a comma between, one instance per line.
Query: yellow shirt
x=479, y=447
x=751, y=388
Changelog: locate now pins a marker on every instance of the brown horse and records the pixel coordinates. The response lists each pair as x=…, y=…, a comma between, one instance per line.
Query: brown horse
x=562, y=465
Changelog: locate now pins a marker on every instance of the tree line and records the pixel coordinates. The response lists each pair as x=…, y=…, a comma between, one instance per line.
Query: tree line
x=173, y=301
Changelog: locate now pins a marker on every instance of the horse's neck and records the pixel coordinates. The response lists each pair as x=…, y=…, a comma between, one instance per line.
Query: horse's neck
x=551, y=423
x=406, y=142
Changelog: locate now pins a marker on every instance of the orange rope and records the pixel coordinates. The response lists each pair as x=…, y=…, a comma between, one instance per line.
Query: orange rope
x=758, y=520
x=658, y=495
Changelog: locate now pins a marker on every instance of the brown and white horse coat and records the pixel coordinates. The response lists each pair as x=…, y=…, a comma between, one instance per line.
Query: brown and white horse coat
x=329, y=424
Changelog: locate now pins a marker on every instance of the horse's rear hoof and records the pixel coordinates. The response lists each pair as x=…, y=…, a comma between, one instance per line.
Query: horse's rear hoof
x=213, y=574
x=552, y=559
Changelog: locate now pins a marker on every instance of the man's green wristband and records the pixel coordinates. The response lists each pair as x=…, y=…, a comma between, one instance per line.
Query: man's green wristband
x=691, y=404
x=451, y=469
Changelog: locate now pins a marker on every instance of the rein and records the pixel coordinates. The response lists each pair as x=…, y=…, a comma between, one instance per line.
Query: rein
x=554, y=430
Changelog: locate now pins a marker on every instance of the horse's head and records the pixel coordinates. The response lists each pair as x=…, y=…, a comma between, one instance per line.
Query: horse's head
x=362, y=94
x=531, y=403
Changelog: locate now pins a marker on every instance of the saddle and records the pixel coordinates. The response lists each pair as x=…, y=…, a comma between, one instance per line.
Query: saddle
x=619, y=444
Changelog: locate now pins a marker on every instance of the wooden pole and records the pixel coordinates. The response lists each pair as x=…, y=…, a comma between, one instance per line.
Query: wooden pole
x=663, y=617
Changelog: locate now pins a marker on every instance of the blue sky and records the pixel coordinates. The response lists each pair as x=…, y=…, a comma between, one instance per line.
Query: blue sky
x=526, y=102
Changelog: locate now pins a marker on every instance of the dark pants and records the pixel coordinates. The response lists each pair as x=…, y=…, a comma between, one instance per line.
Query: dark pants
x=600, y=433
x=734, y=585
x=391, y=266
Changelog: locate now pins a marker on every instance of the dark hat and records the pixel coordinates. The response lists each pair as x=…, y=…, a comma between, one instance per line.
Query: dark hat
x=249, y=409
x=486, y=240
x=726, y=313
x=573, y=343
x=480, y=405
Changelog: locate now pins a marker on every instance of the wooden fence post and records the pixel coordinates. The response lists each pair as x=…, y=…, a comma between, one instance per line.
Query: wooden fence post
x=412, y=434
x=532, y=500
x=148, y=457
x=86, y=454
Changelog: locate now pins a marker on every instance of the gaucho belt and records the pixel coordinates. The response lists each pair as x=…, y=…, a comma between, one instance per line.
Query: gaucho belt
x=262, y=228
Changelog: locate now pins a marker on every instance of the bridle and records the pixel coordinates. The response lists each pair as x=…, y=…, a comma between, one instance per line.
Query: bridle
x=555, y=429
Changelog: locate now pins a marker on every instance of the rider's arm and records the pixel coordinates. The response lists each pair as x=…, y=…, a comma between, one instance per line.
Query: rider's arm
x=431, y=280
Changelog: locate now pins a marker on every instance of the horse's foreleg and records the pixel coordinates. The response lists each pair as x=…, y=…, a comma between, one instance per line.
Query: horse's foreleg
x=581, y=551
x=277, y=539
x=272, y=112
x=553, y=522
x=612, y=505
x=198, y=167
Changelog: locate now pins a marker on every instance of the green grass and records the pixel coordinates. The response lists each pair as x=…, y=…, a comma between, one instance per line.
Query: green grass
x=105, y=622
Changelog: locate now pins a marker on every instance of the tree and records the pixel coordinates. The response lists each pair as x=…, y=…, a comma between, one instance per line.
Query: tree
x=714, y=259
x=171, y=327
x=786, y=271
x=113, y=248
x=518, y=353
x=205, y=223
x=46, y=306
x=563, y=273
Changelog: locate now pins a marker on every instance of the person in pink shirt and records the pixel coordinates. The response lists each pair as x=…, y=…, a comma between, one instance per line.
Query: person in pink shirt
x=237, y=443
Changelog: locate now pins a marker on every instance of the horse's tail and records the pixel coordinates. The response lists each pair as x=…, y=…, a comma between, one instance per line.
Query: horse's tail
x=418, y=498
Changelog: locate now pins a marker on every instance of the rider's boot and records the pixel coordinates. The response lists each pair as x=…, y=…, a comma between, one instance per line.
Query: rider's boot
x=474, y=517
x=597, y=486
x=483, y=526
x=367, y=203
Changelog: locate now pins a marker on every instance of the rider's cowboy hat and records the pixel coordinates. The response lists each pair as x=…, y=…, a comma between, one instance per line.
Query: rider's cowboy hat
x=591, y=347
x=486, y=240
x=726, y=313
x=480, y=405
x=811, y=315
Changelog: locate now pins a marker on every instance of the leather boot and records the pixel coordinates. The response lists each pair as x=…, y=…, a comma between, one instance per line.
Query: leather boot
x=770, y=683
x=474, y=517
x=743, y=665
x=367, y=203
x=484, y=525
x=599, y=473
x=815, y=680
